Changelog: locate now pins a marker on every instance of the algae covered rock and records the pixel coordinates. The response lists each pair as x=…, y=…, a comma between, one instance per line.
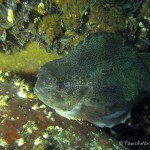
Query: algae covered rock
x=29, y=125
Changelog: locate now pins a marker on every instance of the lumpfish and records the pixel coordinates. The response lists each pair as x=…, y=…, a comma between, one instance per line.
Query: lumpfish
x=98, y=81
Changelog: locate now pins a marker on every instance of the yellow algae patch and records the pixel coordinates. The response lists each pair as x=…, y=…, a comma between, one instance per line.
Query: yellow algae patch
x=28, y=60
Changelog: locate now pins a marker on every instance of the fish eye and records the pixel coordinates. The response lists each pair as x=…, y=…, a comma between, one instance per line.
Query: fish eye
x=60, y=85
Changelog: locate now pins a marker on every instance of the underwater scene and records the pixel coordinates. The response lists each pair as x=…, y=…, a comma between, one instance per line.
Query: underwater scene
x=74, y=74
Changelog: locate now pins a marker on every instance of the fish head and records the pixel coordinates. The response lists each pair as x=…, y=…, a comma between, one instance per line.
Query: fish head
x=59, y=90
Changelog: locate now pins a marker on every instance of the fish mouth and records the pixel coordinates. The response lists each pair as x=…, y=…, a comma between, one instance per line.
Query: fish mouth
x=40, y=93
x=71, y=114
x=56, y=102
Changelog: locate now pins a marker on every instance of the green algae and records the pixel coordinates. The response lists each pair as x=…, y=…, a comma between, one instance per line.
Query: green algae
x=27, y=61
x=50, y=29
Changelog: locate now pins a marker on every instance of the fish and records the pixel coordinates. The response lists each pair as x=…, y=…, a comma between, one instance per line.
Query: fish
x=99, y=81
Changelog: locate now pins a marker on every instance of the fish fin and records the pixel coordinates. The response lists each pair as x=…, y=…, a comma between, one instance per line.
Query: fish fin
x=113, y=119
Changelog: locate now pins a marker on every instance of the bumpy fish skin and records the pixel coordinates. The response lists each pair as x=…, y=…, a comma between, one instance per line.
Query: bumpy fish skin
x=98, y=81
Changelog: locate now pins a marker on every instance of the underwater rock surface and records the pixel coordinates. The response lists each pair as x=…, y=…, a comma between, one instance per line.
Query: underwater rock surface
x=27, y=124
x=98, y=81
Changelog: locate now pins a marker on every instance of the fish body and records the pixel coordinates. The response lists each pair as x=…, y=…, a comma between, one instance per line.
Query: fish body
x=98, y=81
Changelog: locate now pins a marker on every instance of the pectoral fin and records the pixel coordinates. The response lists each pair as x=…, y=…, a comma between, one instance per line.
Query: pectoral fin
x=113, y=119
